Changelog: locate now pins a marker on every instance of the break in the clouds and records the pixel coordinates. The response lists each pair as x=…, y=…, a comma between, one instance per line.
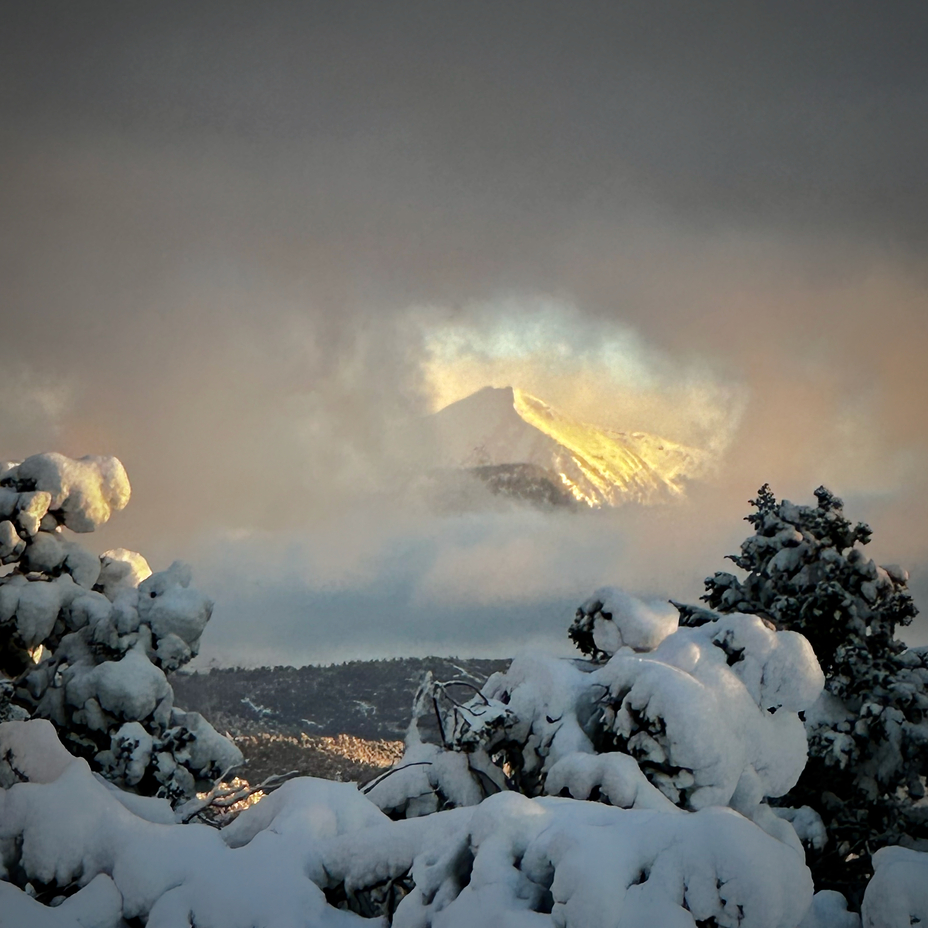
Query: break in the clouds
x=599, y=368
x=242, y=245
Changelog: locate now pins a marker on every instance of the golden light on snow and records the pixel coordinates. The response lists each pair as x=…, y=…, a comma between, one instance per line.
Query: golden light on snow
x=598, y=371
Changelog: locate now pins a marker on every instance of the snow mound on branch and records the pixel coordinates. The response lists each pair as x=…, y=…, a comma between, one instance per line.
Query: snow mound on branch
x=425, y=780
x=129, y=688
x=31, y=751
x=897, y=894
x=25, y=512
x=829, y=910
x=34, y=607
x=700, y=702
x=777, y=668
x=623, y=620
x=290, y=859
x=612, y=619
x=97, y=905
x=170, y=607
x=121, y=569
x=82, y=494
x=617, y=778
x=306, y=808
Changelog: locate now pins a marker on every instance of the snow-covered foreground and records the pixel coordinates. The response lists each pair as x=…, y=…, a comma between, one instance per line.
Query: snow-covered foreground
x=638, y=788
x=294, y=857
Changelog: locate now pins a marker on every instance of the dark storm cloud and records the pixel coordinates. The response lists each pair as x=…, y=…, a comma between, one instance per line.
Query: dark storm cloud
x=782, y=112
x=229, y=231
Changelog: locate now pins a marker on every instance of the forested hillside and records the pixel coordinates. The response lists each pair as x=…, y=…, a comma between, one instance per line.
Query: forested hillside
x=366, y=699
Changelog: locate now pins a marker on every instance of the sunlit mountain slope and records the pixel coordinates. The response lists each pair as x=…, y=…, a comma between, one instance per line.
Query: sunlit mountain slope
x=596, y=466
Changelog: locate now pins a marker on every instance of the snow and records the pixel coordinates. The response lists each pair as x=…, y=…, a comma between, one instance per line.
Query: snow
x=623, y=620
x=82, y=493
x=684, y=705
x=121, y=569
x=11, y=545
x=109, y=629
x=97, y=905
x=624, y=791
x=707, y=718
x=130, y=688
x=829, y=910
x=807, y=823
x=898, y=892
x=507, y=861
x=34, y=606
x=617, y=777
x=326, y=854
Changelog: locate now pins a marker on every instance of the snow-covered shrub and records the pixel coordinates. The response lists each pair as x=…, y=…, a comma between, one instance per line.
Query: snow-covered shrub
x=319, y=853
x=868, y=734
x=707, y=717
x=85, y=641
x=679, y=835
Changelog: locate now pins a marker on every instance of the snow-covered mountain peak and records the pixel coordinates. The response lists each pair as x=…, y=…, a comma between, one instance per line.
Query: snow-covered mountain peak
x=497, y=429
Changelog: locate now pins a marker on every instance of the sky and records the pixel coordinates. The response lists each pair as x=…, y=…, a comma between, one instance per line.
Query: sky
x=242, y=245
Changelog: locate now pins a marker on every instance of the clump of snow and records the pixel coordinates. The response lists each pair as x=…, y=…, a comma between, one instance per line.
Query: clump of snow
x=81, y=494
x=121, y=569
x=33, y=608
x=612, y=619
x=27, y=510
x=616, y=778
x=129, y=688
x=897, y=895
x=169, y=607
x=807, y=824
x=97, y=905
x=829, y=910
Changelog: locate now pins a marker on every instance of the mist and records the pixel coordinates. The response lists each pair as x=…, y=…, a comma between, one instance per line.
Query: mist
x=243, y=247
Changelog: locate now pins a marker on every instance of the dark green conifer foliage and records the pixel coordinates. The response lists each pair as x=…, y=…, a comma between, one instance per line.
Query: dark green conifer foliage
x=868, y=738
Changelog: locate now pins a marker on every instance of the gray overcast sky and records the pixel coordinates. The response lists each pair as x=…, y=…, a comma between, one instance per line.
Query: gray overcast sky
x=240, y=243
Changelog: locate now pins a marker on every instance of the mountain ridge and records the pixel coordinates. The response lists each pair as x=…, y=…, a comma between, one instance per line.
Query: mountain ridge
x=595, y=466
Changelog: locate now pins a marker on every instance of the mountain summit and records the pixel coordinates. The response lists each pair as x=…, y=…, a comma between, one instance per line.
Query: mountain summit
x=515, y=443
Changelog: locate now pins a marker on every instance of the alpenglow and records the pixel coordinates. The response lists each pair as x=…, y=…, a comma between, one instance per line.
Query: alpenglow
x=520, y=446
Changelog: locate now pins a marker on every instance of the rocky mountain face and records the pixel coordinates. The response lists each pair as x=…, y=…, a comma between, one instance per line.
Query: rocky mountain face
x=518, y=446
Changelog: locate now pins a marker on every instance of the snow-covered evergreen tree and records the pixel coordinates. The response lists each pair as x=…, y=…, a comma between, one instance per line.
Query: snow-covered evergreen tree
x=85, y=641
x=561, y=794
x=868, y=734
x=632, y=788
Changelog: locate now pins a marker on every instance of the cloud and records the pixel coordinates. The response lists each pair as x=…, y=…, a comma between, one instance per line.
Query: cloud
x=35, y=407
x=600, y=369
x=241, y=248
